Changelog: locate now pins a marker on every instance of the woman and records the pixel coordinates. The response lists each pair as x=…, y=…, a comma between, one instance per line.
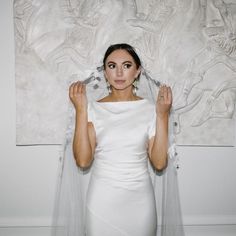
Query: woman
x=116, y=135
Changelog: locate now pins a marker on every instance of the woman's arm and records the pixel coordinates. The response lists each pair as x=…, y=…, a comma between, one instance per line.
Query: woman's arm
x=158, y=145
x=84, y=135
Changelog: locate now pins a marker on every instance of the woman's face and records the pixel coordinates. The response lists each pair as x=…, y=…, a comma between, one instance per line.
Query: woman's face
x=120, y=69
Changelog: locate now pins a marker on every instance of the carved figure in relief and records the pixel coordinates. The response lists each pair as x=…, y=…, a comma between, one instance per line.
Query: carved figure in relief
x=81, y=22
x=225, y=93
x=84, y=28
x=220, y=49
x=24, y=10
x=94, y=25
x=152, y=23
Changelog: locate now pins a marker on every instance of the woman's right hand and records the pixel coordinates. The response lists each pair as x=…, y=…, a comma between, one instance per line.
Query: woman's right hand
x=77, y=94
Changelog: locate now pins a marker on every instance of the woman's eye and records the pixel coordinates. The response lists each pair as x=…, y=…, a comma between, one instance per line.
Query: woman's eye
x=127, y=66
x=111, y=66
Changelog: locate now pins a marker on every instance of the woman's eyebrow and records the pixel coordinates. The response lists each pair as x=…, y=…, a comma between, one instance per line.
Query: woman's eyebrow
x=111, y=62
x=122, y=62
x=127, y=62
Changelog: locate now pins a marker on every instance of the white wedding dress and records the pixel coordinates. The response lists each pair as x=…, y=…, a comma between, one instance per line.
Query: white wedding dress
x=116, y=197
x=120, y=199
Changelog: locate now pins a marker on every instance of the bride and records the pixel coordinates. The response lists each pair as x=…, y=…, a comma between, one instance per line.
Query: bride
x=115, y=136
x=118, y=165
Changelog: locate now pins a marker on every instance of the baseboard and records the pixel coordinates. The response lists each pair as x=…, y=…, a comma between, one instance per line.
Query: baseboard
x=210, y=230
x=25, y=231
x=209, y=220
x=214, y=230
x=25, y=222
x=187, y=220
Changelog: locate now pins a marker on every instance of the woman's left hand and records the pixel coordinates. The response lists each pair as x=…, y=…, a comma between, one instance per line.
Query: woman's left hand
x=164, y=101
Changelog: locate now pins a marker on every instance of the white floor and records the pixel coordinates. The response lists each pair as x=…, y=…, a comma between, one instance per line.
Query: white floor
x=216, y=230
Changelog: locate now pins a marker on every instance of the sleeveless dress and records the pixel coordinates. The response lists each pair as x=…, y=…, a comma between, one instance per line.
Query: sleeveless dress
x=120, y=197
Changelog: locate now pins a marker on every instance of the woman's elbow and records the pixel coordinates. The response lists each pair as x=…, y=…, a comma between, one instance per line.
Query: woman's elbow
x=160, y=165
x=83, y=163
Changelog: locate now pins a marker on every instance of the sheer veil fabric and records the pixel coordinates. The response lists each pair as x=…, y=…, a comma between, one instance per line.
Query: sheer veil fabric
x=69, y=209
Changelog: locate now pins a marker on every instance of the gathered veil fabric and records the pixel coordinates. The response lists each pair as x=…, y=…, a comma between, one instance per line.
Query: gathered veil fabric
x=70, y=217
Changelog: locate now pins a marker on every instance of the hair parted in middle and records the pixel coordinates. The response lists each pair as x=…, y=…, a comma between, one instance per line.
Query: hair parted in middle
x=128, y=48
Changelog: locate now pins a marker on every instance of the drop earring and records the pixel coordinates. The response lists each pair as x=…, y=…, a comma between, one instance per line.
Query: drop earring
x=135, y=86
x=108, y=87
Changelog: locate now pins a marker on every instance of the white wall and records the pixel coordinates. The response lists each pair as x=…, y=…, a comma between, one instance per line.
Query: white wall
x=28, y=174
x=207, y=180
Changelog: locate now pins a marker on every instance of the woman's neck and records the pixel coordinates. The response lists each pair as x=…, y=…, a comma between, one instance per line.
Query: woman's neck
x=115, y=98
x=120, y=96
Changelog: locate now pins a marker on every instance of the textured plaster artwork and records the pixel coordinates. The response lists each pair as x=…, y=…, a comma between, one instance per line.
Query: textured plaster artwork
x=188, y=44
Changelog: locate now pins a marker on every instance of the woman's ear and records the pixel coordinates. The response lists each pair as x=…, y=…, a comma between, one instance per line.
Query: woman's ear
x=105, y=74
x=138, y=72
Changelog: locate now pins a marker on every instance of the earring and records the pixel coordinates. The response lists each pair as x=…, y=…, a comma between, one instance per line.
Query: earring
x=135, y=86
x=108, y=87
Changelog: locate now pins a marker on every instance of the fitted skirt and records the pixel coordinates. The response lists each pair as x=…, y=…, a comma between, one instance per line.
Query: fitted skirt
x=123, y=209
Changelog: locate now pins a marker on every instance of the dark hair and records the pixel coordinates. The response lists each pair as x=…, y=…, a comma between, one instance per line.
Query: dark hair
x=125, y=47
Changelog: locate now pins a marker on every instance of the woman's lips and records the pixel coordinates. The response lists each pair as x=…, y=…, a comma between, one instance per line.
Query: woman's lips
x=119, y=81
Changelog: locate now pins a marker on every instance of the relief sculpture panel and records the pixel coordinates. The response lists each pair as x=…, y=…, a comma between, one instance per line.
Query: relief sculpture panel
x=188, y=44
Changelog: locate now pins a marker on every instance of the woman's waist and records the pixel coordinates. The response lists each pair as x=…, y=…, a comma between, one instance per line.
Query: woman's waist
x=121, y=171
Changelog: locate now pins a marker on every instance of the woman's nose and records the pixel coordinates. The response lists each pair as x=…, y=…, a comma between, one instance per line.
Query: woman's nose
x=119, y=71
